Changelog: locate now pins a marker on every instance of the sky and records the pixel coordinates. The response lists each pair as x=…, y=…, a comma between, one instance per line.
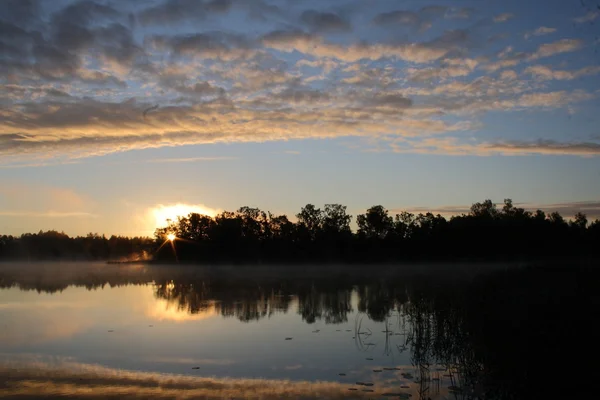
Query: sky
x=116, y=115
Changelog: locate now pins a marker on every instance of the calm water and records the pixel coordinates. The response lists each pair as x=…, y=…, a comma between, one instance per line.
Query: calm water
x=132, y=330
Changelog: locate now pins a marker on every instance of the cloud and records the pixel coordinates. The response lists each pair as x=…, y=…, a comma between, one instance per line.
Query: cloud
x=542, y=30
x=20, y=11
x=503, y=17
x=558, y=47
x=459, y=13
x=42, y=201
x=47, y=214
x=454, y=146
x=553, y=99
x=310, y=44
x=508, y=75
x=427, y=74
x=590, y=16
x=57, y=51
x=397, y=17
x=325, y=22
x=546, y=147
x=200, y=89
x=394, y=101
x=188, y=159
x=590, y=208
x=508, y=58
x=546, y=73
x=421, y=18
x=207, y=45
x=177, y=11
x=81, y=76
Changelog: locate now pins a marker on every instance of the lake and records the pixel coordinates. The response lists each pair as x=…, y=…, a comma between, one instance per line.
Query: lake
x=423, y=331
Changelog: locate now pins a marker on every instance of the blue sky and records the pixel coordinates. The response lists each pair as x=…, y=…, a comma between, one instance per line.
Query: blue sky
x=114, y=112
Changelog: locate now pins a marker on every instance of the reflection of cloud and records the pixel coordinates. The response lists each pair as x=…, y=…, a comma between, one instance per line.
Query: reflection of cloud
x=32, y=326
x=40, y=305
x=191, y=361
x=59, y=378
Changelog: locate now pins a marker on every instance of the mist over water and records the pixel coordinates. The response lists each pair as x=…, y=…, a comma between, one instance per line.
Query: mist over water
x=428, y=330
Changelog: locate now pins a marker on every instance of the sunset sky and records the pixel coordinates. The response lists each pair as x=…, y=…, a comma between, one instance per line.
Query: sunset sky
x=116, y=114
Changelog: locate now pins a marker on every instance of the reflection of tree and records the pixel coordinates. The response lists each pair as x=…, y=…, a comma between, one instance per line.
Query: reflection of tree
x=499, y=333
x=245, y=302
x=193, y=298
x=496, y=332
x=250, y=302
x=376, y=300
x=332, y=306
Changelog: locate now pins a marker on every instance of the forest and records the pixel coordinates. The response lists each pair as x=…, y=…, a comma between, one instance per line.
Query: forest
x=250, y=235
x=58, y=246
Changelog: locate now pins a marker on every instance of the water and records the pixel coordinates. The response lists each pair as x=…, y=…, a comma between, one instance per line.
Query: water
x=135, y=330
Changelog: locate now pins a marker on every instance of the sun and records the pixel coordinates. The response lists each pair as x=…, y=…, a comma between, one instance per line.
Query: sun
x=162, y=215
x=171, y=236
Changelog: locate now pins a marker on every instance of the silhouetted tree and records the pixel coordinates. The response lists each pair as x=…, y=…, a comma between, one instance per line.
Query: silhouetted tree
x=250, y=235
x=376, y=223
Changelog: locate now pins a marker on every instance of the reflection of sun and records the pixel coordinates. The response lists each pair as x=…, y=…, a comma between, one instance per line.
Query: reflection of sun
x=162, y=310
x=171, y=237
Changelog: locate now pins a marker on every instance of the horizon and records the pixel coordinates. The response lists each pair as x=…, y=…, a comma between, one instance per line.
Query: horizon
x=117, y=115
x=164, y=216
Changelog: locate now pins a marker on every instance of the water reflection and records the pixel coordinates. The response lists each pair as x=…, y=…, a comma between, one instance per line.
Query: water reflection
x=430, y=332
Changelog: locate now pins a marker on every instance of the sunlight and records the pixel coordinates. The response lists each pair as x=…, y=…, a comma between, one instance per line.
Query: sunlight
x=163, y=310
x=164, y=214
x=171, y=236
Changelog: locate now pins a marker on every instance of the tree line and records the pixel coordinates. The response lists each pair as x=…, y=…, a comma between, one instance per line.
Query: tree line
x=54, y=245
x=250, y=235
